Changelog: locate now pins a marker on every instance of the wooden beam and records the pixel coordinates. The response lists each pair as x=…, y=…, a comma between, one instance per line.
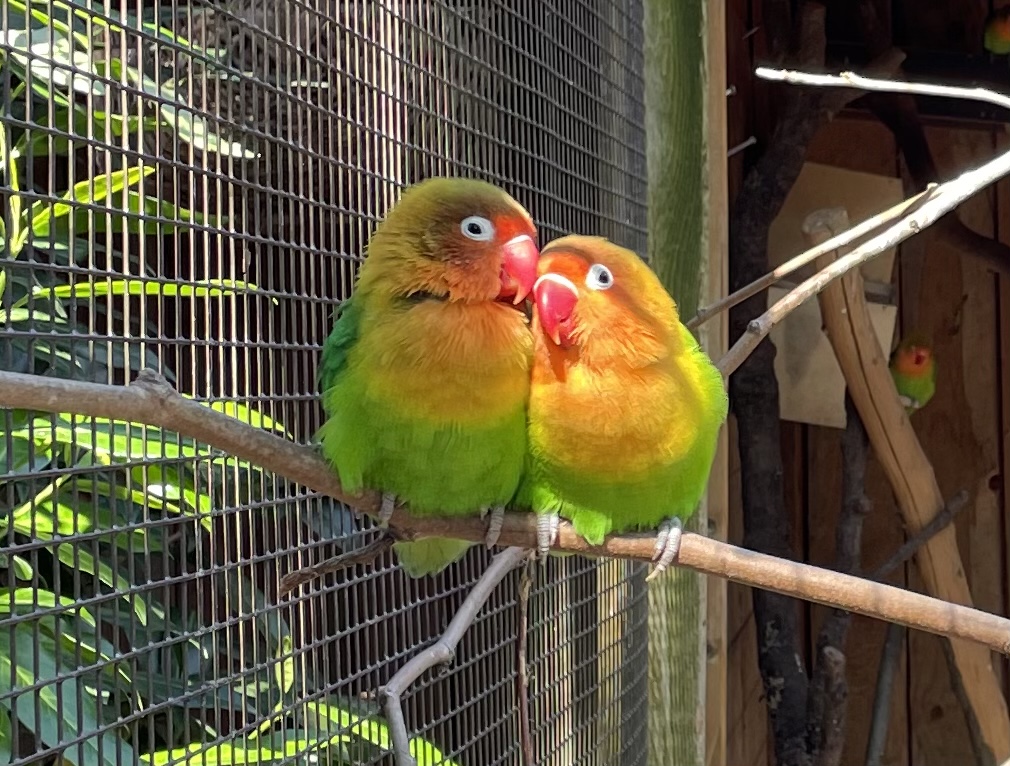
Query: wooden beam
x=864, y=365
x=715, y=340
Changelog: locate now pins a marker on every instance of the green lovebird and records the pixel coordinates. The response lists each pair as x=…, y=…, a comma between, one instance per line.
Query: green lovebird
x=997, y=32
x=625, y=407
x=914, y=371
x=425, y=375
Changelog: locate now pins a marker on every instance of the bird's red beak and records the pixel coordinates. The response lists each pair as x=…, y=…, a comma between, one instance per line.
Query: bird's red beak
x=518, y=268
x=556, y=297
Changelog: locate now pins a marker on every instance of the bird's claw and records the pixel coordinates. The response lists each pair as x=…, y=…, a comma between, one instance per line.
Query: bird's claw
x=547, y=533
x=494, y=524
x=667, y=546
x=387, y=508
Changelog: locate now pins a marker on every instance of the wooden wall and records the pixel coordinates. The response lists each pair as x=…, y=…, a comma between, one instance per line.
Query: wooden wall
x=964, y=431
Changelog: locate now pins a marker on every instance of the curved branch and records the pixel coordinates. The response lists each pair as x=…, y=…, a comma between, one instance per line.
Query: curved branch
x=152, y=401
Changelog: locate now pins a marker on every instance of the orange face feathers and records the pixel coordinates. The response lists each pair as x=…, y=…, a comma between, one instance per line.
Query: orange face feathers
x=456, y=239
x=913, y=358
x=601, y=302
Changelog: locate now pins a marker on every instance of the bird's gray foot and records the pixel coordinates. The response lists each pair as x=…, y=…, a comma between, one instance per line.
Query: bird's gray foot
x=494, y=524
x=547, y=533
x=387, y=508
x=667, y=546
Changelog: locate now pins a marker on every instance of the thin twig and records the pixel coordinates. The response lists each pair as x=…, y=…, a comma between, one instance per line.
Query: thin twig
x=364, y=555
x=908, y=548
x=443, y=651
x=879, y=721
x=522, y=665
x=944, y=198
x=781, y=272
x=860, y=82
x=152, y=401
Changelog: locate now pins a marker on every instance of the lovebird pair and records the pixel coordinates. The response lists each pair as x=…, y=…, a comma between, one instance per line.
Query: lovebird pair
x=442, y=395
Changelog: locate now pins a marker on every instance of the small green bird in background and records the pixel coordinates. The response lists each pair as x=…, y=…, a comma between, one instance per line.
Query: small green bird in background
x=625, y=407
x=913, y=369
x=997, y=32
x=425, y=375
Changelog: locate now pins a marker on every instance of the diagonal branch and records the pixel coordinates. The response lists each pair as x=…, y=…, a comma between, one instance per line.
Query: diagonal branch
x=152, y=401
x=443, y=651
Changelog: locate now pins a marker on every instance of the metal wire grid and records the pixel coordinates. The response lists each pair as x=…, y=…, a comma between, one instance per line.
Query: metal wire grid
x=188, y=188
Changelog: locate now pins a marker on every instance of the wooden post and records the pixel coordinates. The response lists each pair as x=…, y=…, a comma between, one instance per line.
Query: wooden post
x=715, y=340
x=864, y=365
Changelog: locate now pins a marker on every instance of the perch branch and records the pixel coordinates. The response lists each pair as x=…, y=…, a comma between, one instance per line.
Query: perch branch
x=858, y=231
x=853, y=80
x=443, y=651
x=943, y=199
x=882, y=695
x=522, y=664
x=364, y=555
x=864, y=366
x=911, y=546
x=152, y=401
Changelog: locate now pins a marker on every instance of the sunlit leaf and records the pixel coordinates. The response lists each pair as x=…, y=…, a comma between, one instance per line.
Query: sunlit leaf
x=28, y=660
x=90, y=191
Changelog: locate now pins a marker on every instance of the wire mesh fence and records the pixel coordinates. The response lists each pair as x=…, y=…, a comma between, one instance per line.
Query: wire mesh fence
x=189, y=188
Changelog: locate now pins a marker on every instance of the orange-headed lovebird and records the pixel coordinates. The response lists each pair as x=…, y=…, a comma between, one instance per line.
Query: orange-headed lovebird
x=425, y=375
x=913, y=369
x=625, y=408
x=997, y=32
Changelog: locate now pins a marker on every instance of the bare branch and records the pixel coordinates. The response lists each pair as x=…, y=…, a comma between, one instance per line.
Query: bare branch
x=443, y=651
x=882, y=696
x=364, y=555
x=853, y=80
x=923, y=536
x=858, y=231
x=944, y=198
x=152, y=401
x=522, y=664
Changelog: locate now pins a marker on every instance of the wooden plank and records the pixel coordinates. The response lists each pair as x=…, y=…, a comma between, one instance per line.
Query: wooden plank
x=882, y=529
x=714, y=337
x=919, y=497
x=1002, y=141
x=747, y=728
x=960, y=431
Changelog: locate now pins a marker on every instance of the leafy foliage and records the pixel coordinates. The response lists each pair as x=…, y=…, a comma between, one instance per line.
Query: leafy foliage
x=95, y=663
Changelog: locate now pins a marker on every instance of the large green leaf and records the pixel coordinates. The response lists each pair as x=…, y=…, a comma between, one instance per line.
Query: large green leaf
x=28, y=658
x=76, y=557
x=90, y=191
x=207, y=288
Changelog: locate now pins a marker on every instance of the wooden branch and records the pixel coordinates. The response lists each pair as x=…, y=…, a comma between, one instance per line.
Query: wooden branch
x=860, y=230
x=881, y=715
x=860, y=82
x=522, y=665
x=908, y=548
x=364, y=555
x=152, y=401
x=864, y=365
x=945, y=198
x=443, y=651
x=754, y=389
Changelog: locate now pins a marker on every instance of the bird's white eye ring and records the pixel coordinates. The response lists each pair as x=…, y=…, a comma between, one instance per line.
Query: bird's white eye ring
x=599, y=277
x=477, y=227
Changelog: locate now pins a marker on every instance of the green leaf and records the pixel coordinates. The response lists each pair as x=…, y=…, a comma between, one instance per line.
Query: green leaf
x=75, y=557
x=284, y=670
x=91, y=190
x=245, y=414
x=111, y=439
x=208, y=288
x=6, y=738
x=28, y=658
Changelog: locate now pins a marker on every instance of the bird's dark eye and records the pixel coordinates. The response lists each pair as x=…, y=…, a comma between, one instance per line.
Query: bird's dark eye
x=599, y=277
x=477, y=228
